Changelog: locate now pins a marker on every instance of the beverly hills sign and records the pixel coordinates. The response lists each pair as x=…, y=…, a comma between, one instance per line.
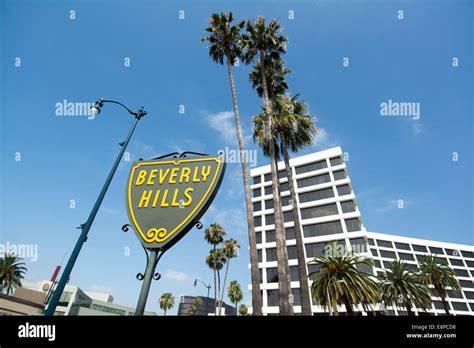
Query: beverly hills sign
x=167, y=197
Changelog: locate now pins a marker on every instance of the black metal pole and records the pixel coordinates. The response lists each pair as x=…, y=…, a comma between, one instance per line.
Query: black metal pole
x=150, y=269
x=86, y=227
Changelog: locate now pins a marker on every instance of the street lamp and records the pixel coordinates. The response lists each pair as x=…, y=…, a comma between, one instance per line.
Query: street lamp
x=85, y=227
x=208, y=289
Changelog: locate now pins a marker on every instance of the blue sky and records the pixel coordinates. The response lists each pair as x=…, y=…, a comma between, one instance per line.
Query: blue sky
x=81, y=60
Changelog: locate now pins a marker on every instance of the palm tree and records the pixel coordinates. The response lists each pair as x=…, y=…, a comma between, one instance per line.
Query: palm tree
x=197, y=302
x=243, y=310
x=339, y=281
x=401, y=287
x=216, y=260
x=231, y=250
x=440, y=277
x=225, y=40
x=12, y=271
x=234, y=292
x=296, y=130
x=166, y=301
x=214, y=235
x=267, y=41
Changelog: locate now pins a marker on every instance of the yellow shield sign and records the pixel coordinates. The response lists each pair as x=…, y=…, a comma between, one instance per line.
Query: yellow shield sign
x=167, y=197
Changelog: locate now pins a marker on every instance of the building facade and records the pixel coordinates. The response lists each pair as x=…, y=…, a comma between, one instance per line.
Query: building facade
x=206, y=308
x=328, y=211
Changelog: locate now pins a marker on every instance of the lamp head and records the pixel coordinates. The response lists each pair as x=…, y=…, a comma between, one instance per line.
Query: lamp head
x=97, y=107
x=195, y=282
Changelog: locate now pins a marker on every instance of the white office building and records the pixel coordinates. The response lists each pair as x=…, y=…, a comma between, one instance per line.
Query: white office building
x=328, y=211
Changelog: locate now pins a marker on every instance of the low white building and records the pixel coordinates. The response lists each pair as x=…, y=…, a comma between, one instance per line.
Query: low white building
x=328, y=211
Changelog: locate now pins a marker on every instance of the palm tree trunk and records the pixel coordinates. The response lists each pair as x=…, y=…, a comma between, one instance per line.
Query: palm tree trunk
x=445, y=305
x=284, y=285
x=254, y=273
x=303, y=273
x=219, y=289
x=348, y=305
x=409, y=311
x=165, y=313
x=223, y=286
x=215, y=289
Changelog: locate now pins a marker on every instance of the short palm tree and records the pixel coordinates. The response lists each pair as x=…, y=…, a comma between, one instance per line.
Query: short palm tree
x=340, y=281
x=197, y=302
x=214, y=235
x=234, y=292
x=400, y=287
x=440, y=277
x=243, y=310
x=225, y=41
x=12, y=271
x=267, y=41
x=166, y=301
x=295, y=128
x=231, y=250
x=215, y=260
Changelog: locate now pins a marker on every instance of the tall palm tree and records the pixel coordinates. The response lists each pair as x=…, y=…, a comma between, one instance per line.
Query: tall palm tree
x=440, y=277
x=295, y=129
x=214, y=235
x=225, y=41
x=231, y=250
x=216, y=260
x=400, y=287
x=12, y=271
x=340, y=281
x=267, y=41
x=234, y=292
x=166, y=301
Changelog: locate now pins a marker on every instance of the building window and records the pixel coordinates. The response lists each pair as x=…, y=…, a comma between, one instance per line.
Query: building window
x=282, y=174
x=384, y=243
x=316, y=195
x=314, y=180
x=268, y=177
x=374, y=252
x=272, y=275
x=461, y=272
x=270, y=219
x=459, y=306
x=336, y=161
x=290, y=233
x=257, y=220
x=359, y=244
x=292, y=253
x=452, y=252
x=454, y=293
x=313, y=271
x=259, y=256
x=257, y=206
x=269, y=204
x=339, y=175
x=257, y=192
x=377, y=263
x=405, y=256
x=388, y=254
x=469, y=295
x=285, y=201
x=343, y=190
x=469, y=263
x=333, y=227
x=435, y=250
x=287, y=216
x=296, y=297
x=420, y=248
x=271, y=254
x=352, y=225
x=272, y=298
x=403, y=246
x=257, y=179
x=439, y=305
x=311, y=167
x=268, y=190
x=322, y=210
x=270, y=236
x=258, y=237
x=294, y=274
x=371, y=241
x=319, y=249
x=466, y=283
x=469, y=254
x=348, y=207
x=284, y=187
x=456, y=262
x=411, y=267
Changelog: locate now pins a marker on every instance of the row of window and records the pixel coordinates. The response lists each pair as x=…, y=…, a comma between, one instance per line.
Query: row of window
x=421, y=248
x=312, y=196
x=335, y=161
